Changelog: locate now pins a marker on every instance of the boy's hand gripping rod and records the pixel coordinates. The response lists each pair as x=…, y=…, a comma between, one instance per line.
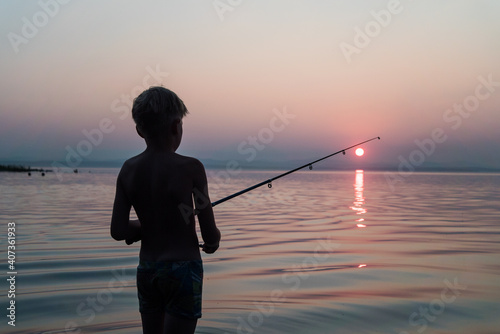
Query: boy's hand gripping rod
x=269, y=181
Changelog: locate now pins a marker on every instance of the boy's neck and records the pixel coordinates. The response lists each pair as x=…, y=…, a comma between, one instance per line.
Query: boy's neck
x=160, y=145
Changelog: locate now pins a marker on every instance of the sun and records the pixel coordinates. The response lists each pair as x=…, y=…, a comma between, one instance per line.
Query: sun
x=360, y=152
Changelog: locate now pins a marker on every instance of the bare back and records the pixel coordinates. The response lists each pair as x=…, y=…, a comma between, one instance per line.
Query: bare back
x=160, y=187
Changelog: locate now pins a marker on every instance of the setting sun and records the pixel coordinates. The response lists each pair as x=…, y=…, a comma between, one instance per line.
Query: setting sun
x=360, y=152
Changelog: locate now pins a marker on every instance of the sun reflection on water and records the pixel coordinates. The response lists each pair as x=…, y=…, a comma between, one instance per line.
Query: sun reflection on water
x=359, y=200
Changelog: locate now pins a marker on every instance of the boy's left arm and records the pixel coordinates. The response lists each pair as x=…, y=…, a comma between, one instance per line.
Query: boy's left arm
x=134, y=225
x=122, y=228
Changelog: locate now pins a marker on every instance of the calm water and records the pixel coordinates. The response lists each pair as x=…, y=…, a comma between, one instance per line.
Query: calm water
x=319, y=252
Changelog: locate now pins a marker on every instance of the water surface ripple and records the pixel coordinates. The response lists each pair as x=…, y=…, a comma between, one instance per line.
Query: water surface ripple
x=319, y=252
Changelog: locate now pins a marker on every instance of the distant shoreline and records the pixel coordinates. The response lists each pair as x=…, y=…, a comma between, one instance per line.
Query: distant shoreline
x=44, y=166
x=21, y=169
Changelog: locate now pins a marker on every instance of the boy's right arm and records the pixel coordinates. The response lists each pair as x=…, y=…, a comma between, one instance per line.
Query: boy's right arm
x=122, y=228
x=209, y=231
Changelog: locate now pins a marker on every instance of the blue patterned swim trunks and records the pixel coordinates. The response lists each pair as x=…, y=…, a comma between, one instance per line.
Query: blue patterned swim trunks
x=172, y=287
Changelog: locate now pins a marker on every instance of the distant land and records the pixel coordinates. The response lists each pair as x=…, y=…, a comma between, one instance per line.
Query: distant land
x=330, y=164
x=19, y=168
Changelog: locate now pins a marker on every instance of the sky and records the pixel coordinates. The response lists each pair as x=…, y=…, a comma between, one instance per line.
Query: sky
x=263, y=80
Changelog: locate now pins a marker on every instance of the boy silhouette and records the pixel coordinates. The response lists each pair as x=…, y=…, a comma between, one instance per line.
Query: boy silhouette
x=160, y=185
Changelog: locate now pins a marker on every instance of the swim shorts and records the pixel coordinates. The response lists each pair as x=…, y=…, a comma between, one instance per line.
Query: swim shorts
x=172, y=287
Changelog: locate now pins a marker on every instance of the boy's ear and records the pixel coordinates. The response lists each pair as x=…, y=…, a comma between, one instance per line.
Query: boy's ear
x=139, y=132
x=175, y=126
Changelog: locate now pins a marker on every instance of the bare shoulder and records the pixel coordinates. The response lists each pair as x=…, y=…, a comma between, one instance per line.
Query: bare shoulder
x=192, y=165
x=129, y=166
x=129, y=163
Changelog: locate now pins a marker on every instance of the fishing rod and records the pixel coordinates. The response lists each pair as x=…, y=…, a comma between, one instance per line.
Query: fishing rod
x=269, y=181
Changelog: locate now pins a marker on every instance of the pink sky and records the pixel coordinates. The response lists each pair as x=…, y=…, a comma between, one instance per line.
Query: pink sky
x=232, y=69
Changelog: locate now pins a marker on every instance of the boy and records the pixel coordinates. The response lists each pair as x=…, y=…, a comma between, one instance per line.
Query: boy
x=160, y=184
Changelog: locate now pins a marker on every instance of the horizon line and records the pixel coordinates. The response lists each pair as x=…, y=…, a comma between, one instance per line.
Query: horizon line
x=214, y=164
